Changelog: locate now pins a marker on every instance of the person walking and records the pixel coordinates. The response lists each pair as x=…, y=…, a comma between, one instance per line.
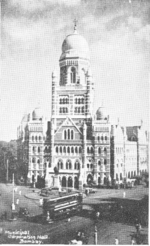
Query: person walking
x=116, y=241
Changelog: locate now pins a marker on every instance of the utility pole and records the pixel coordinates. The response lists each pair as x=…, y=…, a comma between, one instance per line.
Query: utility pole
x=7, y=171
x=95, y=235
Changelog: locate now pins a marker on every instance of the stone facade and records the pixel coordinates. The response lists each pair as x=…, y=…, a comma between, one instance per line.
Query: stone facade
x=83, y=146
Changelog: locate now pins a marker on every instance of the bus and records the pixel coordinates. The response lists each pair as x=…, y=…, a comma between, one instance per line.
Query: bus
x=64, y=205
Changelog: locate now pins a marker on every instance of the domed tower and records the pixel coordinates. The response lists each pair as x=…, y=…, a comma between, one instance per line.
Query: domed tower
x=75, y=90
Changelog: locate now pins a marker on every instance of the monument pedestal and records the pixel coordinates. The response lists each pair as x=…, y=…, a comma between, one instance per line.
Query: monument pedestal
x=56, y=181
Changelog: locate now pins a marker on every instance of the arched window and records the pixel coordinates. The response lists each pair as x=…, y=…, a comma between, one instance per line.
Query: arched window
x=45, y=149
x=60, y=101
x=105, y=138
x=33, y=160
x=99, y=150
x=71, y=134
x=92, y=150
x=36, y=138
x=76, y=150
x=105, y=150
x=68, y=150
x=80, y=150
x=32, y=138
x=60, y=149
x=68, y=134
x=82, y=100
x=60, y=164
x=65, y=135
x=91, y=165
x=64, y=100
x=77, y=165
x=64, y=149
x=98, y=138
x=72, y=150
x=34, y=149
x=68, y=164
x=38, y=161
x=73, y=75
x=57, y=149
x=99, y=163
x=82, y=109
x=39, y=150
x=87, y=165
x=105, y=161
x=88, y=150
x=102, y=138
x=78, y=100
x=40, y=138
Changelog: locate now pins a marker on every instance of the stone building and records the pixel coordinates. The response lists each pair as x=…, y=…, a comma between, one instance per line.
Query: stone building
x=83, y=146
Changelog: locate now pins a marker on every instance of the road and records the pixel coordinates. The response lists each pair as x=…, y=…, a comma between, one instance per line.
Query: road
x=62, y=231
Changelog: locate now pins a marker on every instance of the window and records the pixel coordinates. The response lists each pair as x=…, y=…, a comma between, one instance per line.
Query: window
x=34, y=149
x=105, y=138
x=68, y=150
x=77, y=165
x=99, y=150
x=73, y=75
x=68, y=164
x=64, y=149
x=40, y=138
x=71, y=134
x=80, y=150
x=36, y=138
x=38, y=161
x=105, y=150
x=105, y=161
x=32, y=138
x=91, y=166
x=57, y=149
x=102, y=138
x=39, y=150
x=33, y=160
x=76, y=150
x=88, y=150
x=68, y=134
x=87, y=165
x=98, y=138
x=72, y=150
x=60, y=149
x=65, y=134
x=60, y=164
x=99, y=163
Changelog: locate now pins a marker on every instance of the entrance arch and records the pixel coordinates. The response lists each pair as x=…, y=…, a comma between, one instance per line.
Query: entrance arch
x=70, y=181
x=76, y=183
x=89, y=178
x=63, y=181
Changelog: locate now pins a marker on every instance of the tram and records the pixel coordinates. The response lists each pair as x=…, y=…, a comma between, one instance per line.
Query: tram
x=65, y=205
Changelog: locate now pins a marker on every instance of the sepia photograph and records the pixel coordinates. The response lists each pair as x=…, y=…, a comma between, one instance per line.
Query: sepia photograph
x=74, y=122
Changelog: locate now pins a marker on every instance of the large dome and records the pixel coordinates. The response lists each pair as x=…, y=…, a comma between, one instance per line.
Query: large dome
x=75, y=45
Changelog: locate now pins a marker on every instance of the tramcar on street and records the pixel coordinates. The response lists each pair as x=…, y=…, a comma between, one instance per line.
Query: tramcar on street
x=65, y=205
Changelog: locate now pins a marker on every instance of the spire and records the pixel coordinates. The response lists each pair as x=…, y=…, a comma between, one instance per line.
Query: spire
x=75, y=25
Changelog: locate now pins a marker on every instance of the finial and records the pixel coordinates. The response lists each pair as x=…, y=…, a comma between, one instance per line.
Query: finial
x=75, y=24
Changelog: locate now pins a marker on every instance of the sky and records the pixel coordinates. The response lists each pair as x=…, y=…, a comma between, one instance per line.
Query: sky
x=118, y=34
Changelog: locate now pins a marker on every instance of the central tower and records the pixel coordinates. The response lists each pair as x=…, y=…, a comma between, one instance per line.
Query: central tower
x=72, y=94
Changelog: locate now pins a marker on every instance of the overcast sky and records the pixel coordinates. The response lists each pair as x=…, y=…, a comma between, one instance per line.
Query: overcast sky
x=118, y=34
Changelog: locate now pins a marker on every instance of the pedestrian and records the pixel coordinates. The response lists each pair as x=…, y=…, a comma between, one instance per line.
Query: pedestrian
x=17, y=201
x=116, y=241
x=124, y=194
x=132, y=241
x=41, y=201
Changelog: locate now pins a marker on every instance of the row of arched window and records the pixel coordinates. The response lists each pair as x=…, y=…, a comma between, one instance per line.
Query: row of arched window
x=119, y=150
x=68, y=134
x=68, y=165
x=90, y=150
x=79, y=109
x=64, y=100
x=63, y=110
x=89, y=166
x=100, y=162
x=79, y=100
x=34, y=160
x=37, y=138
x=101, y=138
x=68, y=150
x=100, y=150
x=47, y=149
x=36, y=149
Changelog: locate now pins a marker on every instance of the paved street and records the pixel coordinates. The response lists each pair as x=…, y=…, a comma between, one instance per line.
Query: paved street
x=63, y=231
